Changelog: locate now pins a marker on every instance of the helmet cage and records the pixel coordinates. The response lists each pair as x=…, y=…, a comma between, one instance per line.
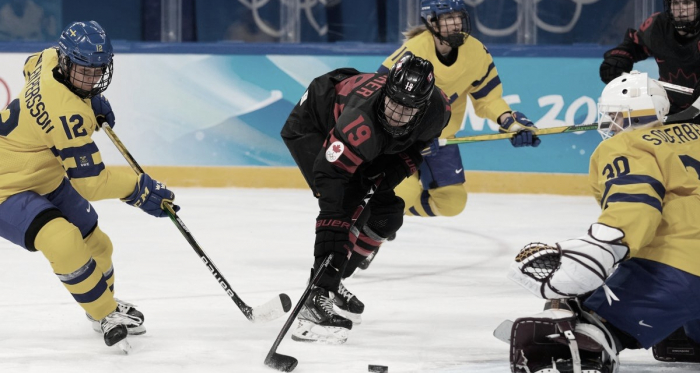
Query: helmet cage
x=688, y=27
x=432, y=10
x=75, y=81
x=613, y=119
x=85, y=44
x=401, y=126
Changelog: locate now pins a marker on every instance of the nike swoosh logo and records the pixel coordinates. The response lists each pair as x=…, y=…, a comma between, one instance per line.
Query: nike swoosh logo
x=641, y=322
x=89, y=207
x=458, y=171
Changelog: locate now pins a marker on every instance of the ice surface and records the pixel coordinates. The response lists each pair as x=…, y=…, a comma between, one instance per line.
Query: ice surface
x=433, y=296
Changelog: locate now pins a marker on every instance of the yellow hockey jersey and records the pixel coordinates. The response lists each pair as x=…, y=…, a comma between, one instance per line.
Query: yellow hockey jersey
x=648, y=185
x=45, y=134
x=473, y=74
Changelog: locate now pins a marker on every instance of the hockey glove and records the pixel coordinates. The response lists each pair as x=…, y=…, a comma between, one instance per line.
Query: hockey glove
x=432, y=149
x=614, y=66
x=103, y=111
x=574, y=267
x=332, y=236
x=395, y=168
x=524, y=128
x=149, y=195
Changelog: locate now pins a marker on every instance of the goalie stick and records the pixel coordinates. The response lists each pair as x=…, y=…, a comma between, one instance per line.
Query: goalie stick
x=285, y=363
x=690, y=113
x=271, y=310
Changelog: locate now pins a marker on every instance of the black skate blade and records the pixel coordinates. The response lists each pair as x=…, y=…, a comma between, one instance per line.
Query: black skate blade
x=283, y=363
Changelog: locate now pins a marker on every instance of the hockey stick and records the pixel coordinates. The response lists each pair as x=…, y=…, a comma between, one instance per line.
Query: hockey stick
x=271, y=310
x=688, y=114
x=285, y=363
x=508, y=135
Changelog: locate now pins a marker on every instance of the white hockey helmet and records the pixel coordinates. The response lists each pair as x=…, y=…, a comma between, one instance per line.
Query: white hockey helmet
x=631, y=101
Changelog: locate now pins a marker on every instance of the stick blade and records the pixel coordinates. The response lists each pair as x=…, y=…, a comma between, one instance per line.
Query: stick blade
x=283, y=363
x=272, y=310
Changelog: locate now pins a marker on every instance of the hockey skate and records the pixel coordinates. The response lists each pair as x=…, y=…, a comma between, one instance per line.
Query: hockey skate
x=348, y=305
x=115, y=327
x=318, y=322
x=135, y=328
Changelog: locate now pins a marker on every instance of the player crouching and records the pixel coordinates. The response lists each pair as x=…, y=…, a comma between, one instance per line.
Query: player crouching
x=631, y=281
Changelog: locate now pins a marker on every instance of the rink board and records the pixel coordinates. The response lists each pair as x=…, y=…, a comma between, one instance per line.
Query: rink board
x=217, y=110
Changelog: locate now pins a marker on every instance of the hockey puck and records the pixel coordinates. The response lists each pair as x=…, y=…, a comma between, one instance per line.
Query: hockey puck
x=378, y=369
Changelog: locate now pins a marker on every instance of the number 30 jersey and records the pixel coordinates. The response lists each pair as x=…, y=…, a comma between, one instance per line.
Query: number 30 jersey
x=647, y=183
x=45, y=134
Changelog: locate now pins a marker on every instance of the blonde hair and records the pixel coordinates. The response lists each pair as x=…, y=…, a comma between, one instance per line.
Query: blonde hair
x=414, y=31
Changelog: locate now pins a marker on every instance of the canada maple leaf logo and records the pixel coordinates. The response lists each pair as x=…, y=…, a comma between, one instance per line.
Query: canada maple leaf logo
x=334, y=151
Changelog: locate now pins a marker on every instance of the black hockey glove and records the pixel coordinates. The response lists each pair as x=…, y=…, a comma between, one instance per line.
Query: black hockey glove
x=395, y=168
x=614, y=66
x=332, y=236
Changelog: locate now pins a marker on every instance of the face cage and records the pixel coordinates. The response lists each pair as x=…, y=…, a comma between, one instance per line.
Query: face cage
x=454, y=40
x=97, y=88
x=689, y=27
x=404, y=129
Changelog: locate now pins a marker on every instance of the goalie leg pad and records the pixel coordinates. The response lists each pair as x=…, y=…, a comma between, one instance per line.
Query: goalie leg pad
x=555, y=341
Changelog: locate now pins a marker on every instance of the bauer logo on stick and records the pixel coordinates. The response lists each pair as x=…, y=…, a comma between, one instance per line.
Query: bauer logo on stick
x=334, y=151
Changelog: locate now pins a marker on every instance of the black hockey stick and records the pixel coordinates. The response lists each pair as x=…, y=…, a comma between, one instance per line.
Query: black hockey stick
x=285, y=363
x=271, y=310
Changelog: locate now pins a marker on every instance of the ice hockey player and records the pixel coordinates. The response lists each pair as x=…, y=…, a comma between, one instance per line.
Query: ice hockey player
x=347, y=129
x=51, y=169
x=632, y=280
x=464, y=69
x=671, y=38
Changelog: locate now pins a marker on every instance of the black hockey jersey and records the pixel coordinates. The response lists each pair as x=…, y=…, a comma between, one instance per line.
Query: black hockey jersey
x=345, y=104
x=678, y=58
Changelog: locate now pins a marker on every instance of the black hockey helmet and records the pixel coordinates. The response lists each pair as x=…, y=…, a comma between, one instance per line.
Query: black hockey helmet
x=406, y=95
x=430, y=12
x=688, y=20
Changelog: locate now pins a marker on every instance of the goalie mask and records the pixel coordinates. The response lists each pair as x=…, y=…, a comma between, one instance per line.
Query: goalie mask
x=631, y=101
x=406, y=95
x=448, y=20
x=85, y=57
x=684, y=15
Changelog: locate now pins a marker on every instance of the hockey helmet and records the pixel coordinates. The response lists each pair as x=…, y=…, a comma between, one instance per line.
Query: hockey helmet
x=631, y=101
x=85, y=57
x=406, y=95
x=430, y=12
x=687, y=15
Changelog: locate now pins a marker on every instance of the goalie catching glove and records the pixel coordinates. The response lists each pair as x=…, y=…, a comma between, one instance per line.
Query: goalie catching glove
x=572, y=267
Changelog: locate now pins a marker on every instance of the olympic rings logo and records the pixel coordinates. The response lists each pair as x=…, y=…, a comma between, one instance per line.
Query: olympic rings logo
x=538, y=22
x=304, y=6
